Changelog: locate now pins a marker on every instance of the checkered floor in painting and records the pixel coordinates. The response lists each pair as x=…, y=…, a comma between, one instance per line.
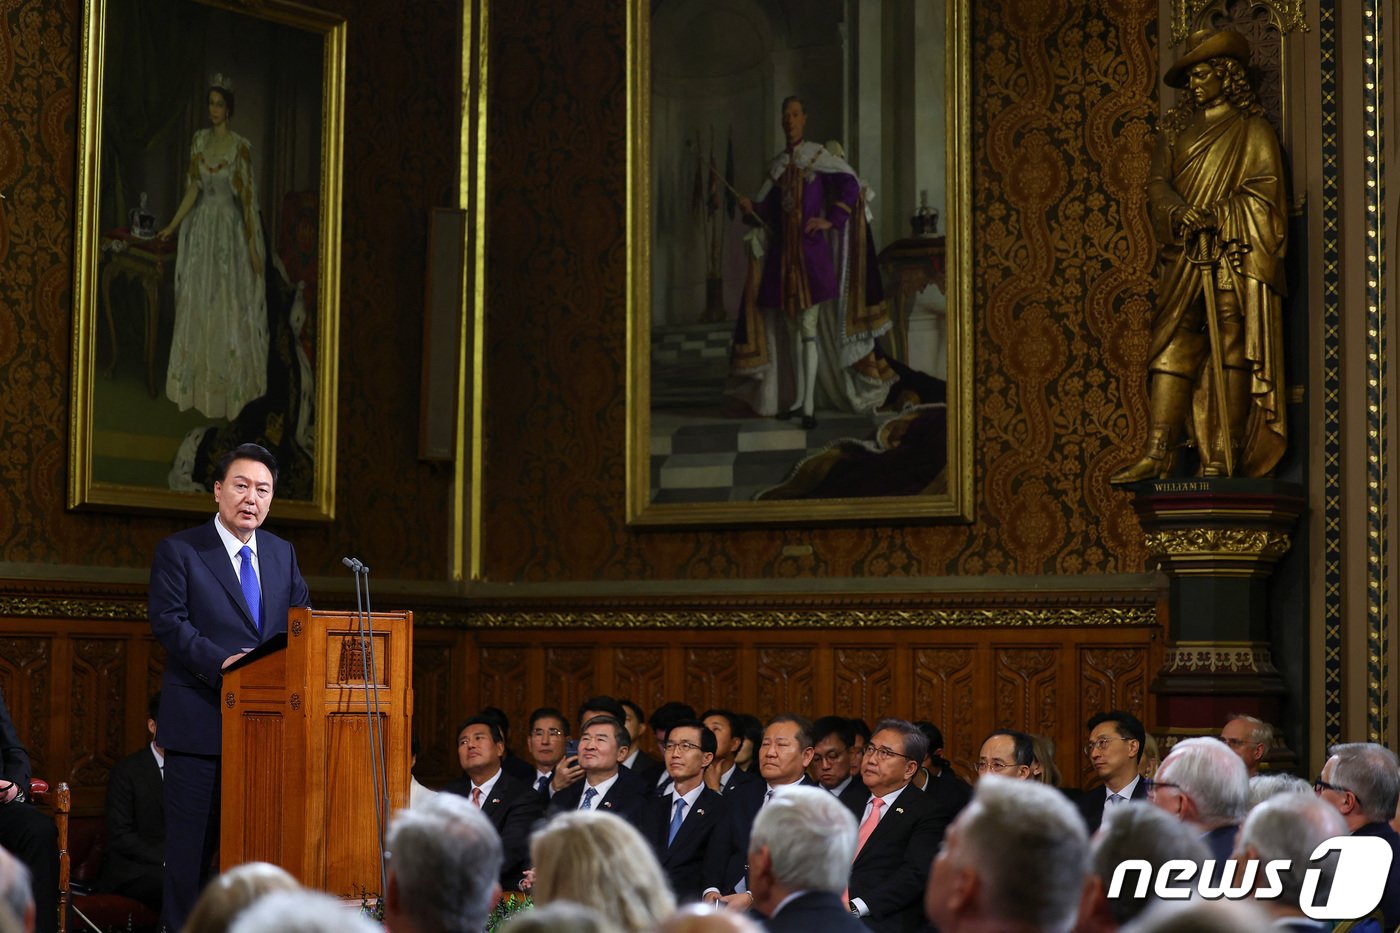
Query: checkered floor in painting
x=699, y=453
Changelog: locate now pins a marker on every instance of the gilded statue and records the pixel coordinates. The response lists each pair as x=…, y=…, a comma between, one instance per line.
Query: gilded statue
x=1216, y=198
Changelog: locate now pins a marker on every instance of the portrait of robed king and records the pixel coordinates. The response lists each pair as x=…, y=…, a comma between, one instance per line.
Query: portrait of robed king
x=265, y=700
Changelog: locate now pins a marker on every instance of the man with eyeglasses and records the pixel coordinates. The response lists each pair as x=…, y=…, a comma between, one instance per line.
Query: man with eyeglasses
x=1006, y=753
x=1115, y=745
x=1248, y=737
x=1203, y=783
x=783, y=756
x=900, y=829
x=831, y=762
x=680, y=822
x=1362, y=780
x=549, y=733
x=510, y=804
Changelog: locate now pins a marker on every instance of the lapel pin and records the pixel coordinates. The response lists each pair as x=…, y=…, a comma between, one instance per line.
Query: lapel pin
x=495, y=799
x=899, y=809
x=699, y=812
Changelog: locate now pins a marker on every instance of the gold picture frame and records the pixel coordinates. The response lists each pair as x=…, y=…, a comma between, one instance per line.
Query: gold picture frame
x=242, y=296
x=706, y=84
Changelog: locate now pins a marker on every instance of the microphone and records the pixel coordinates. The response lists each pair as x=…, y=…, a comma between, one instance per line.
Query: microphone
x=354, y=564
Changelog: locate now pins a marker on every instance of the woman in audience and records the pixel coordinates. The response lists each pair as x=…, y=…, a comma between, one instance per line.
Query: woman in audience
x=598, y=860
x=1043, y=767
x=753, y=737
x=559, y=917
x=229, y=894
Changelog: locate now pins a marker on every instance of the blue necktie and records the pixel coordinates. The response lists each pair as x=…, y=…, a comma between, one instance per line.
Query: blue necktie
x=588, y=796
x=676, y=821
x=542, y=783
x=248, y=579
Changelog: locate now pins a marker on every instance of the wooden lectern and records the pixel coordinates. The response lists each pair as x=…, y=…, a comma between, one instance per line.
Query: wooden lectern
x=298, y=788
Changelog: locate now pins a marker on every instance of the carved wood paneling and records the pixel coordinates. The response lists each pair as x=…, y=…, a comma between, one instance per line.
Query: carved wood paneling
x=96, y=739
x=569, y=675
x=864, y=681
x=1025, y=691
x=785, y=680
x=24, y=678
x=944, y=694
x=1110, y=678
x=435, y=714
x=711, y=677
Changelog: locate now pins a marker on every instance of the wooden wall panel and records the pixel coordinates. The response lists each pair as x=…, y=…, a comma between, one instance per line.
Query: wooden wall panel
x=943, y=690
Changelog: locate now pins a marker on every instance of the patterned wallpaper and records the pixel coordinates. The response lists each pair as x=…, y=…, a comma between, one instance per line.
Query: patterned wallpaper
x=1063, y=96
x=400, y=160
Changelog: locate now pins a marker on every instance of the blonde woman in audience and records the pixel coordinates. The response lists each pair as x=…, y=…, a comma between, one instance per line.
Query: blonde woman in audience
x=229, y=894
x=598, y=860
x=1151, y=757
x=1043, y=767
x=704, y=918
x=302, y=912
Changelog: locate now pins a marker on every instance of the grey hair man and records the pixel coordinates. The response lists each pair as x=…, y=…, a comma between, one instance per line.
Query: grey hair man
x=1264, y=786
x=444, y=867
x=1289, y=827
x=800, y=852
x=1013, y=861
x=1131, y=833
x=1361, y=780
x=301, y=912
x=1203, y=783
x=15, y=890
x=1249, y=737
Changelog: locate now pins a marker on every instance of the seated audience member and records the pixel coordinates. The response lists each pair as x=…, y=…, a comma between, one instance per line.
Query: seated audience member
x=752, y=736
x=1263, y=787
x=417, y=793
x=549, y=734
x=705, y=918
x=607, y=786
x=1150, y=758
x=1361, y=781
x=1203, y=783
x=667, y=715
x=644, y=766
x=1043, y=767
x=900, y=830
x=1014, y=861
x=723, y=774
x=862, y=731
x=510, y=804
x=1200, y=916
x=16, y=896
x=1115, y=744
x=597, y=859
x=1290, y=827
x=29, y=835
x=1127, y=833
x=513, y=764
x=1006, y=753
x=935, y=776
x=559, y=917
x=569, y=772
x=444, y=868
x=1248, y=737
x=799, y=859
x=679, y=824
x=227, y=895
x=302, y=912
x=831, y=760
x=134, y=862
x=785, y=751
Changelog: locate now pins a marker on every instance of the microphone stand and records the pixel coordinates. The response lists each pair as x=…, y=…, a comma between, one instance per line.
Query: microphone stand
x=378, y=766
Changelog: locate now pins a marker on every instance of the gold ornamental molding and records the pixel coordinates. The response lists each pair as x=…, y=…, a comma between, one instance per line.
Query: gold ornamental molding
x=1290, y=15
x=39, y=607
x=1213, y=543
x=788, y=619
x=1219, y=657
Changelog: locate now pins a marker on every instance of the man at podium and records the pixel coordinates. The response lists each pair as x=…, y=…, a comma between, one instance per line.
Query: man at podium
x=217, y=592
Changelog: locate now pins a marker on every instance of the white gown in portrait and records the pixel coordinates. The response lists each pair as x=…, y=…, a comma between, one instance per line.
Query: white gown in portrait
x=218, y=353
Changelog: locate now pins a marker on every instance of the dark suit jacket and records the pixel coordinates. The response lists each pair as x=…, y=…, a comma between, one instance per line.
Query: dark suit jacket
x=199, y=616
x=1091, y=804
x=890, y=871
x=648, y=769
x=625, y=798
x=684, y=859
x=14, y=760
x=518, y=768
x=1390, y=896
x=727, y=861
x=814, y=912
x=513, y=808
x=135, y=823
x=948, y=794
x=739, y=778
